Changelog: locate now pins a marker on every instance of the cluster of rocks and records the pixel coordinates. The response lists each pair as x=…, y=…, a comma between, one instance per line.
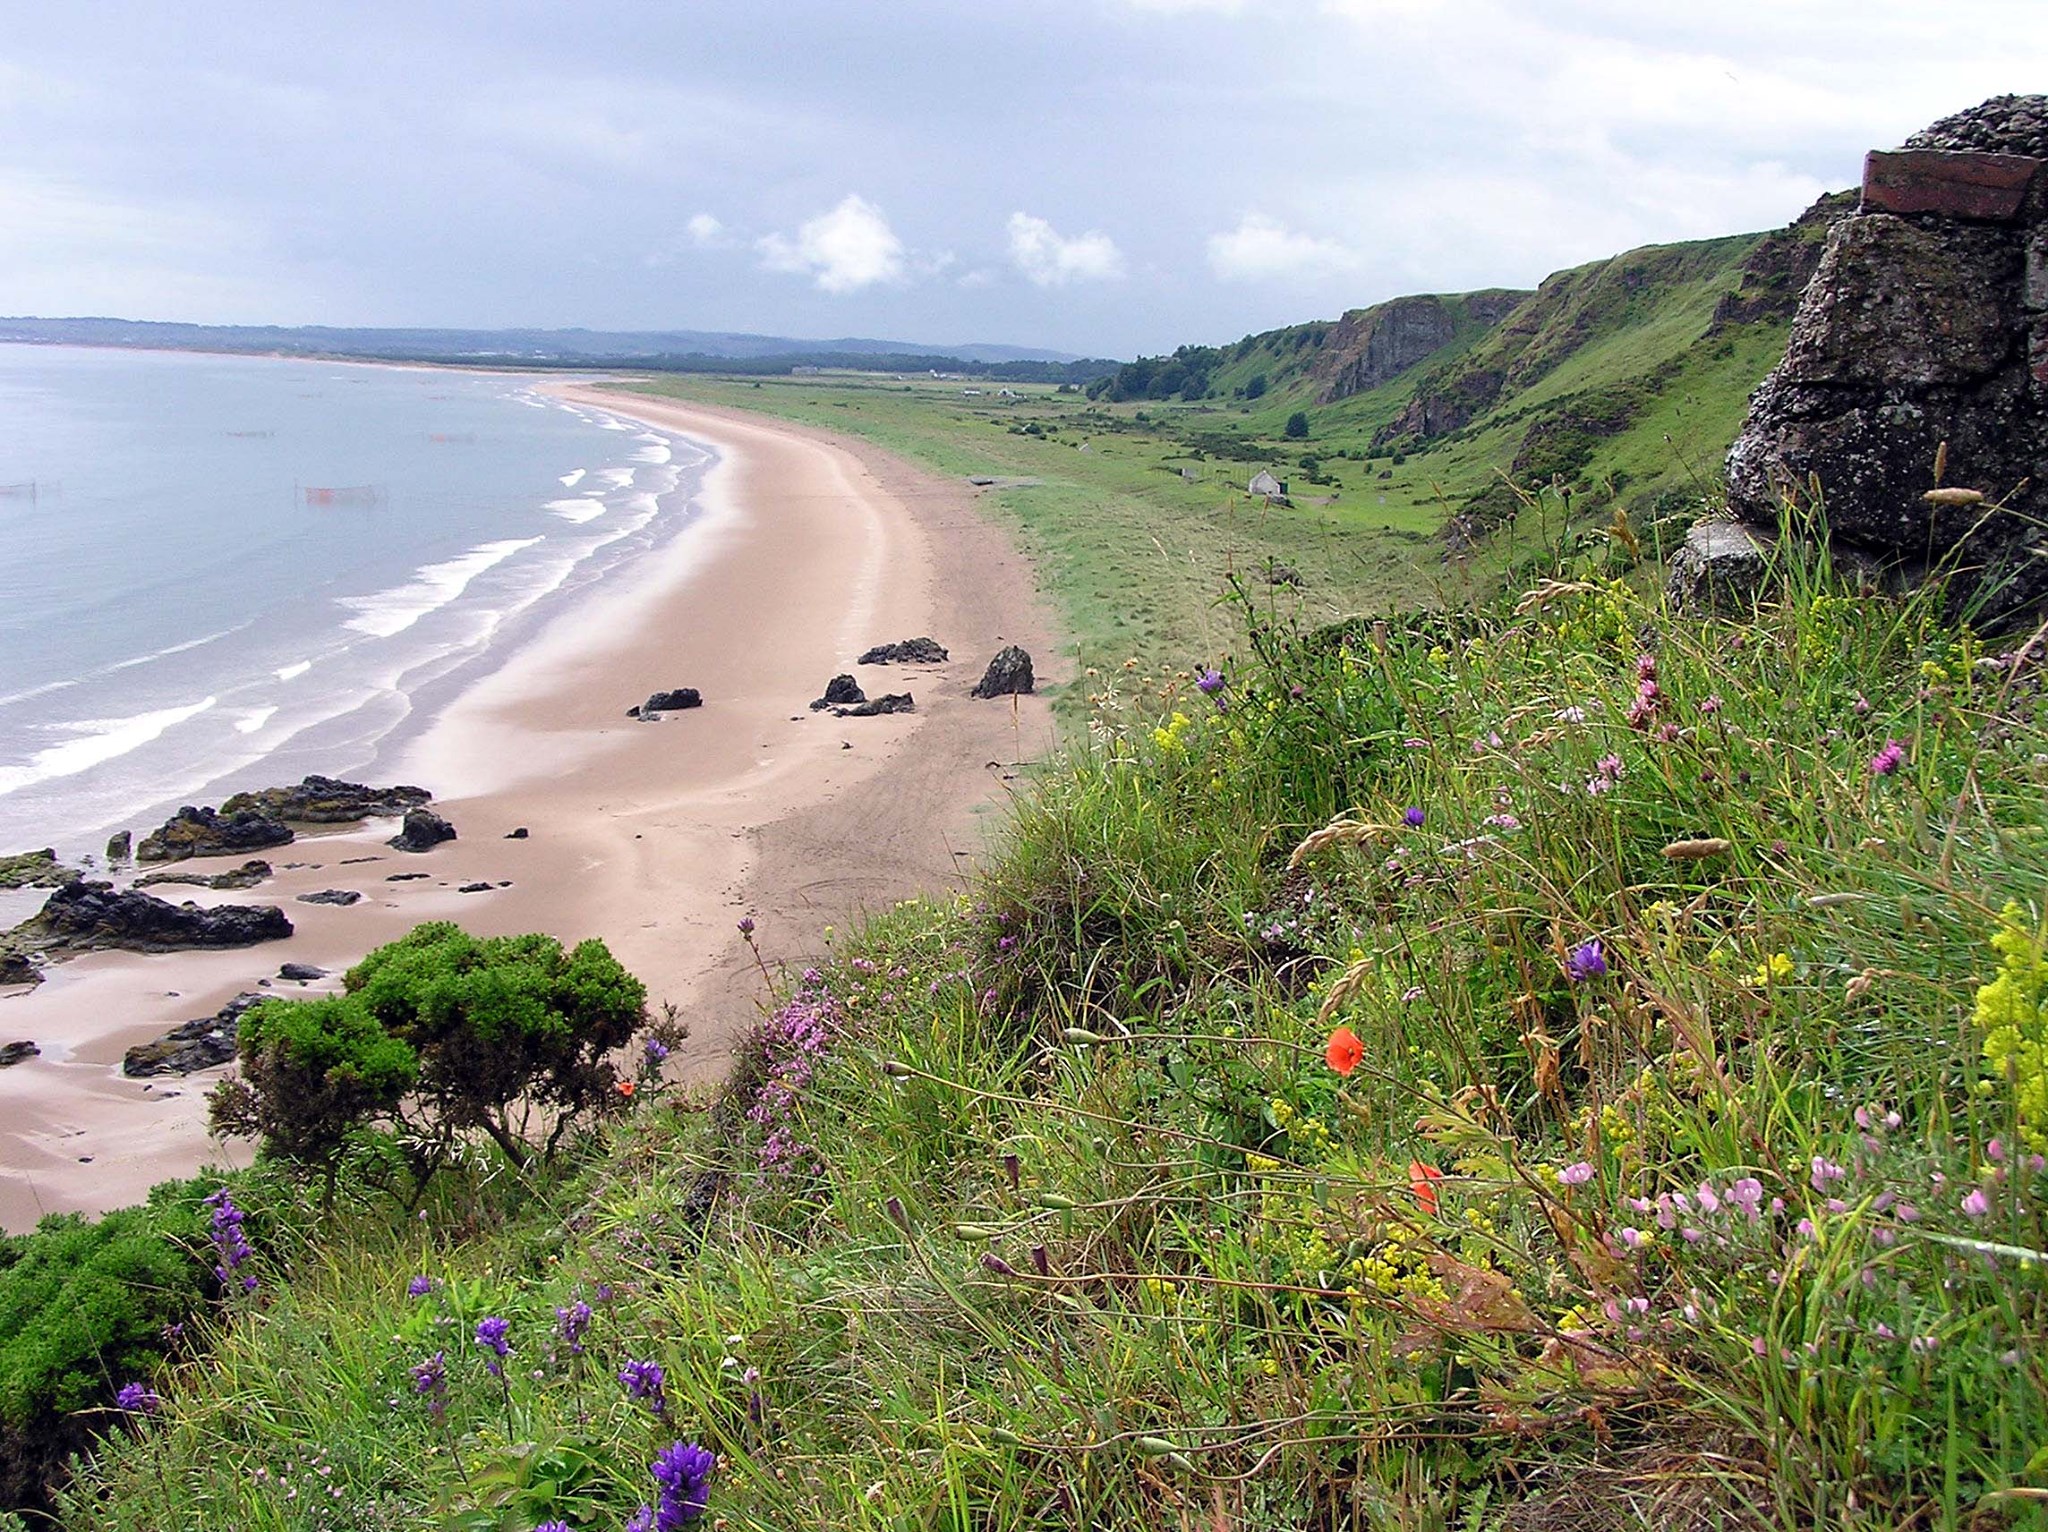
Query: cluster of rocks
x=259, y=821
x=193, y=1045
x=92, y=916
x=248, y=875
x=327, y=801
x=1914, y=391
x=35, y=869
x=421, y=830
x=908, y=651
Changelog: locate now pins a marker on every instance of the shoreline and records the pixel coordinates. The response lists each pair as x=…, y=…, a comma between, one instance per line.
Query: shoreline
x=656, y=837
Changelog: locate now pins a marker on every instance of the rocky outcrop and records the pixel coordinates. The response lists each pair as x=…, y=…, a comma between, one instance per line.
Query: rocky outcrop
x=423, y=830
x=673, y=701
x=301, y=973
x=326, y=800
x=1722, y=566
x=1775, y=273
x=909, y=651
x=895, y=702
x=34, y=869
x=120, y=846
x=248, y=875
x=192, y=1045
x=337, y=896
x=840, y=691
x=1914, y=391
x=1008, y=675
x=207, y=832
x=14, y=1053
x=89, y=917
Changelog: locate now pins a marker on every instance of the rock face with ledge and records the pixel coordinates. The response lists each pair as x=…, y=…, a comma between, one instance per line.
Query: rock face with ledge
x=87, y=917
x=1923, y=336
x=1008, y=675
x=191, y=1045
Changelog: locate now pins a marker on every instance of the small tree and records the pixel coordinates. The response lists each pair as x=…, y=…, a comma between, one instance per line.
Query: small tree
x=1255, y=386
x=1297, y=425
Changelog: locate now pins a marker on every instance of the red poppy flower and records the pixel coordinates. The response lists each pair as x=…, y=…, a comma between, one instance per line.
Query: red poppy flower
x=1419, y=1178
x=625, y=1087
x=1345, y=1050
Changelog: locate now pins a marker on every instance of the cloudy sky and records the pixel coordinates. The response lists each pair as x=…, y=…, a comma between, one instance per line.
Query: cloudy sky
x=1099, y=176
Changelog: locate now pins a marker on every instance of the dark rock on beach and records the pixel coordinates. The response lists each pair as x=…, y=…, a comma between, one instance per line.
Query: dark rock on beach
x=340, y=896
x=207, y=832
x=34, y=869
x=120, y=846
x=423, y=830
x=191, y=1045
x=326, y=800
x=895, y=702
x=248, y=875
x=301, y=972
x=674, y=701
x=14, y=1053
x=1008, y=675
x=87, y=917
x=910, y=651
x=519, y=834
x=1914, y=390
x=840, y=691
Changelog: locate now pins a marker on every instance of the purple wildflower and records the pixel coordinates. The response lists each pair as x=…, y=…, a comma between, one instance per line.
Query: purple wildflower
x=1209, y=682
x=747, y=926
x=1586, y=962
x=138, y=1399
x=570, y=1323
x=419, y=1287
x=647, y=1383
x=655, y=1049
x=552, y=1526
x=642, y=1521
x=1887, y=760
x=430, y=1378
x=1576, y=1175
x=490, y=1334
x=1976, y=1204
x=682, y=1475
x=230, y=1246
x=1413, y=817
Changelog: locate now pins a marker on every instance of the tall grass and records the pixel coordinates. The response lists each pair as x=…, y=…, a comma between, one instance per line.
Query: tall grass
x=1523, y=1068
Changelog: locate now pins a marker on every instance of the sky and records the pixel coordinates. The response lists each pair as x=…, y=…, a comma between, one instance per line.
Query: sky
x=1103, y=177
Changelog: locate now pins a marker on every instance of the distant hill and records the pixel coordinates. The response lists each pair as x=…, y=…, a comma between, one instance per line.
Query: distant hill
x=667, y=350
x=1628, y=375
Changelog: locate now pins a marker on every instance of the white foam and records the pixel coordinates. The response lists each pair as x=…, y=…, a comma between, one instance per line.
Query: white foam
x=253, y=720
x=98, y=740
x=36, y=691
x=611, y=424
x=579, y=511
x=659, y=454
x=615, y=478
x=391, y=612
x=293, y=672
x=573, y=477
x=157, y=654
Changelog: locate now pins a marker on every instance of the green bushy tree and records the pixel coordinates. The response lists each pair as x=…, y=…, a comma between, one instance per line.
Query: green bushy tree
x=1297, y=426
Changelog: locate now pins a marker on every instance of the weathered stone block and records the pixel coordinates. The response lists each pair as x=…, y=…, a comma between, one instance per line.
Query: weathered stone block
x=1953, y=184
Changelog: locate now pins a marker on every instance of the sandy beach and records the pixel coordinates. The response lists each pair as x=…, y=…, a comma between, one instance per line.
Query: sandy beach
x=656, y=837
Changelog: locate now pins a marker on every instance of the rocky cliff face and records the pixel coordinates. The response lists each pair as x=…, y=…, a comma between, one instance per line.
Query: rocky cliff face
x=1914, y=390
x=1373, y=346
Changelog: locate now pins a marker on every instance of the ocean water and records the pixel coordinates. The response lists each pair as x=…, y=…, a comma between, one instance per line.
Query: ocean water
x=226, y=572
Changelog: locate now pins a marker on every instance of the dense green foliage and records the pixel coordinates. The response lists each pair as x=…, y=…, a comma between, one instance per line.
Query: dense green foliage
x=83, y=1309
x=437, y=1035
x=1552, y=1064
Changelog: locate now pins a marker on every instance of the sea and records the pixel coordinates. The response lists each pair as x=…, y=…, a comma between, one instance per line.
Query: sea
x=220, y=572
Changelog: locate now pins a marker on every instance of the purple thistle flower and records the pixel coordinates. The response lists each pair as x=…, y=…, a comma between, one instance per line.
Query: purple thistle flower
x=1586, y=962
x=1413, y=817
x=138, y=1399
x=747, y=926
x=570, y=1323
x=419, y=1287
x=1210, y=682
x=646, y=1382
x=1887, y=760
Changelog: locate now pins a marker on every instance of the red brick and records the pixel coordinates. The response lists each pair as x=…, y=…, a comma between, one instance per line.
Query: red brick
x=1954, y=183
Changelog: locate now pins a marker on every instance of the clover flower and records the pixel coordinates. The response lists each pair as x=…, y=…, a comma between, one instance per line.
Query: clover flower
x=1887, y=760
x=419, y=1287
x=1976, y=1204
x=1413, y=817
